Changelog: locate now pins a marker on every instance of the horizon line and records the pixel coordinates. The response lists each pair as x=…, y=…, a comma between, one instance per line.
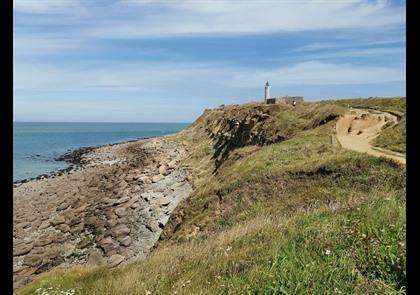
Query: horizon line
x=102, y=122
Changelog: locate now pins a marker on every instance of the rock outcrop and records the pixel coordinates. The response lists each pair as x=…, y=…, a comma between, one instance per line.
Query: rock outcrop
x=240, y=127
x=109, y=210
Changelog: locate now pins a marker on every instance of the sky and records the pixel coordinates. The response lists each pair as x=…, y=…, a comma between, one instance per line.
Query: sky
x=168, y=60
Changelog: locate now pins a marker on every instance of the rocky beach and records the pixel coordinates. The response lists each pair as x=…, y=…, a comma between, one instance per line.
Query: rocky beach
x=108, y=209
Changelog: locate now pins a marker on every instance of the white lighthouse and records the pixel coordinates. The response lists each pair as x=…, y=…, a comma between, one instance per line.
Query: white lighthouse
x=267, y=90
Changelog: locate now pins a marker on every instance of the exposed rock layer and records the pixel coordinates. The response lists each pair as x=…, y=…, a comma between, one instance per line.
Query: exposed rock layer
x=111, y=209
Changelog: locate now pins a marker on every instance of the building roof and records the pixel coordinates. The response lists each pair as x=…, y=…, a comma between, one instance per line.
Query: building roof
x=267, y=84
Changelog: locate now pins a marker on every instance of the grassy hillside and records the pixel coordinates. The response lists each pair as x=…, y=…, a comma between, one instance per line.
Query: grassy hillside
x=393, y=137
x=284, y=212
x=395, y=104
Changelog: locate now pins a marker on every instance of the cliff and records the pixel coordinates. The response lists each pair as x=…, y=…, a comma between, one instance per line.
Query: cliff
x=276, y=208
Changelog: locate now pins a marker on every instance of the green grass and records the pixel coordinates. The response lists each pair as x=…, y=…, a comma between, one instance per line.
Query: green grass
x=295, y=217
x=395, y=104
x=393, y=137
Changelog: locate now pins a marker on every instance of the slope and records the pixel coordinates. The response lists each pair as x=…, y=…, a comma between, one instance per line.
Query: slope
x=276, y=209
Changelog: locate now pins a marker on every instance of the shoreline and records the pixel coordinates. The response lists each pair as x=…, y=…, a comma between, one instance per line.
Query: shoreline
x=108, y=209
x=74, y=159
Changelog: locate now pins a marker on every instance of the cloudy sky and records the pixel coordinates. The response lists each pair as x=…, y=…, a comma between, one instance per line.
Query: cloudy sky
x=167, y=60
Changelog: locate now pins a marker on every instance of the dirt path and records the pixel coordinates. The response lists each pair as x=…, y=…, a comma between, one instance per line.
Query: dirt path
x=357, y=128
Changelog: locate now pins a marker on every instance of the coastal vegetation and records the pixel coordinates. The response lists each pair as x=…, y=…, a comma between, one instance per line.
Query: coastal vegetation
x=393, y=137
x=276, y=209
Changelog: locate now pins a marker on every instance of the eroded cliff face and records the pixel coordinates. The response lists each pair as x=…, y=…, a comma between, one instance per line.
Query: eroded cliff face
x=216, y=141
x=241, y=127
x=258, y=124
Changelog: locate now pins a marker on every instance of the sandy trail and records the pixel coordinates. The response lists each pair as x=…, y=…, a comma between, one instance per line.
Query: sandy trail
x=357, y=128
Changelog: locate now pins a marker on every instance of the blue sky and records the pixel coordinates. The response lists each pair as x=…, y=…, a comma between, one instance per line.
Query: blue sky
x=168, y=60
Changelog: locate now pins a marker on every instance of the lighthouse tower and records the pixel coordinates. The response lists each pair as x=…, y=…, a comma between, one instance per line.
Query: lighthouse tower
x=267, y=91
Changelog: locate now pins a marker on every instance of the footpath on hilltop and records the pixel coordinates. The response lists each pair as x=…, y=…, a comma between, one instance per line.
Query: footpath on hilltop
x=357, y=129
x=271, y=204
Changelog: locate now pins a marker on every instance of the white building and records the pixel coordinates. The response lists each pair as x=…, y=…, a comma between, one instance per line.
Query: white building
x=280, y=99
x=267, y=91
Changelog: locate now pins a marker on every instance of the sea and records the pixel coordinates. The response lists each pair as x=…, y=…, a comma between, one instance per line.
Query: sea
x=35, y=145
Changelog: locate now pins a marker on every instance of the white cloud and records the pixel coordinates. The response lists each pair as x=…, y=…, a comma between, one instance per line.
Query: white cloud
x=46, y=44
x=146, y=19
x=56, y=26
x=320, y=73
x=45, y=6
x=187, y=79
x=234, y=17
x=46, y=27
x=398, y=53
x=354, y=42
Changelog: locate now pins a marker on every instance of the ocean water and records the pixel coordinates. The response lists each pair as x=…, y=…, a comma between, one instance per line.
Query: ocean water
x=35, y=145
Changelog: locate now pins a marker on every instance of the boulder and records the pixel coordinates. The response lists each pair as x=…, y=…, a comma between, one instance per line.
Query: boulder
x=50, y=251
x=22, y=249
x=145, y=179
x=43, y=240
x=76, y=229
x=63, y=228
x=63, y=206
x=123, y=184
x=19, y=268
x=59, y=237
x=127, y=252
x=33, y=260
x=172, y=164
x=110, y=215
x=95, y=259
x=121, y=212
x=122, y=200
x=163, y=170
x=74, y=220
x=120, y=230
x=108, y=244
x=156, y=178
x=130, y=202
x=125, y=241
x=84, y=243
x=115, y=260
x=111, y=223
x=32, y=217
x=58, y=220
x=24, y=225
x=82, y=208
x=107, y=201
x=163, y=201
x=109, y=185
